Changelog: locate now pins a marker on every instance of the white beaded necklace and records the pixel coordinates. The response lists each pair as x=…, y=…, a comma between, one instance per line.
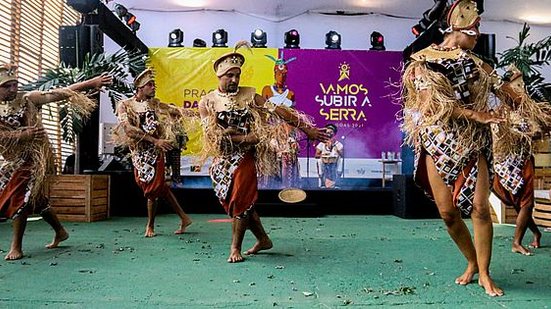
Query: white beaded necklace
x=230, y=102
x=226, y=94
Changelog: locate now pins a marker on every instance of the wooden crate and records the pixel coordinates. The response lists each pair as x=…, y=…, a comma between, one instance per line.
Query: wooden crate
x=542, y=212
x=542, y=158
x=508, y=215
x=500, y=212
x=542, y=178
x=494, y=216
x=80, y=198
x=542, y=145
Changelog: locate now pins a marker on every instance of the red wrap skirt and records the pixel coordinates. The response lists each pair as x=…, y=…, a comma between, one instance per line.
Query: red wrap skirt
x=525, y=196
x=244, y=188
x=157, y=187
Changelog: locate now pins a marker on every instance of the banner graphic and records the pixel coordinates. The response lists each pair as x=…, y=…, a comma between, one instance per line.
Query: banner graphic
x=351, y=89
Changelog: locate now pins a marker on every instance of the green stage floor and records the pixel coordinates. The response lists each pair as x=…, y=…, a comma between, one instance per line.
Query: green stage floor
x=326, y=262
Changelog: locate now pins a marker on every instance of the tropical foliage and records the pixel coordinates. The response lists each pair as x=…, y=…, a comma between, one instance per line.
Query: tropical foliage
x=530, y=59
x=118, y=65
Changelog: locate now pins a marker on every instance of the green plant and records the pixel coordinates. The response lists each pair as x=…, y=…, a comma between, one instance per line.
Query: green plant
x=118, y=65
x=530, y=58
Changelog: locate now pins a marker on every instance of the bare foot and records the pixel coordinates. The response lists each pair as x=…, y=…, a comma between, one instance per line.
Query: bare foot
x=235, y=256
x=520, y=249
x=14, y=254
x=260, y=245
x=489, y=286
x=467, y=276
x=183, y=226
x=536, y=242
x=149, y=232
x=58, y=237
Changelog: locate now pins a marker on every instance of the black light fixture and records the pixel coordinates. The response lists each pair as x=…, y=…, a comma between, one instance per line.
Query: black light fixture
x=291, y=39
x=220, y=38
x=332, y=40
x=430, y=16
x=486, y=48
x=259, y=38
x=176, y=38
x=131, y=22
x=199, y=43
x=120, y=10
x=480, y=6
x=83, y=6
x=417, y=30
x=377, y=41
x=128, y=18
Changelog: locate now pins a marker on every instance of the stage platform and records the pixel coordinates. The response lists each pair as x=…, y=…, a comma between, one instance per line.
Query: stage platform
x=334, y=261
x=366, y=196
x=196, y=195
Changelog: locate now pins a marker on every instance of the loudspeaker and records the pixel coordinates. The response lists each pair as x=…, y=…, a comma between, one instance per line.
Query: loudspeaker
x=68, y=37
x=110, y=163
x=96, y=39
x=77, y=41
x=83, y=6
x=409, y=201
x=486, y=47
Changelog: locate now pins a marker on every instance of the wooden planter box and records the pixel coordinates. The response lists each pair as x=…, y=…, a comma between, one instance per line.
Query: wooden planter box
x=542, y=212
x=507, y=214
x=80, y=198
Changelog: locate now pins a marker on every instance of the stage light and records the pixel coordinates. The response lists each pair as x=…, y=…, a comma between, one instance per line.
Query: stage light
x=120, y=10
x=480, y=6
x=332, y=40
x=429, y=17
x=377, y=41
x=128, y=18
x=417, y=30
x=83, y=6
x=219, y=38
x=199, y=43
x=131, y=22
x=176, y=38
x=291, y=39
x=259, y=38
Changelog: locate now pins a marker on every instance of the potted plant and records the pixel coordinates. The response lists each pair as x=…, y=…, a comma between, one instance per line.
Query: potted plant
x=530, y=58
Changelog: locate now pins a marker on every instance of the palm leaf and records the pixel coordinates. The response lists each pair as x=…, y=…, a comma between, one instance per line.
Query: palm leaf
x=538, y=88
x=117, y=65
x=530, y=58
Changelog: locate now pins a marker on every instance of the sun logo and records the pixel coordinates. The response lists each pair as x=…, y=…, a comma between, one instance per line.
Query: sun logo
x=344, y=71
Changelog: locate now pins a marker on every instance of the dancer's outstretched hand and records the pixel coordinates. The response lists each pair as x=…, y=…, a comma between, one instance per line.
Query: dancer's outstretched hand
x=320, y=134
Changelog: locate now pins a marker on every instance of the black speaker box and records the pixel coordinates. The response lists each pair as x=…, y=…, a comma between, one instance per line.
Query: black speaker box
x=486, y=47
x=409, y=201
x=77, y=41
